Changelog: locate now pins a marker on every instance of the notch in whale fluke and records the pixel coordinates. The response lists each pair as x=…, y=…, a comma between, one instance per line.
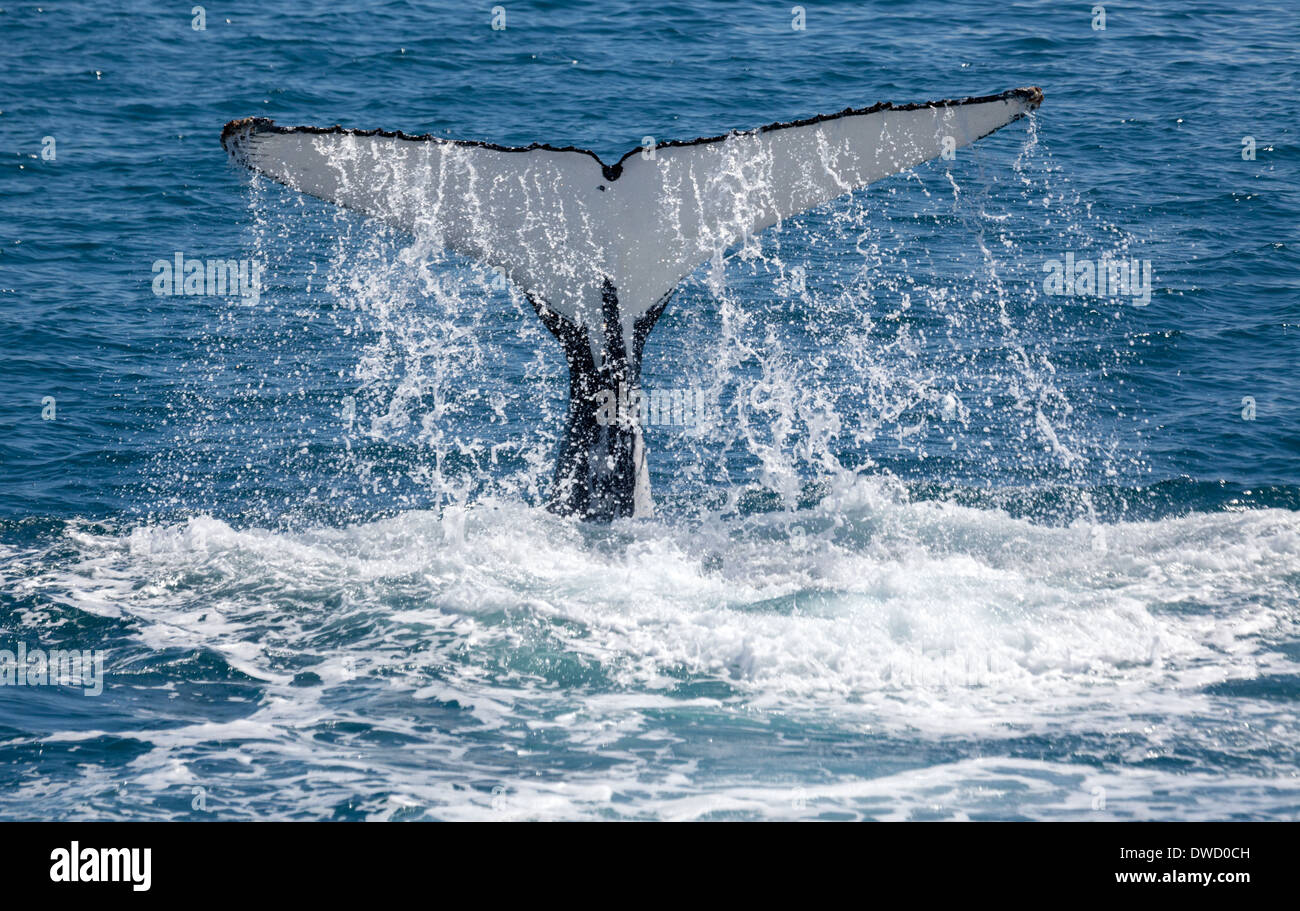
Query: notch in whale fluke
x=599, y=248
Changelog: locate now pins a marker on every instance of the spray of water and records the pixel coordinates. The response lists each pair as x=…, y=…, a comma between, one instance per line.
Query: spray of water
x=902, y=331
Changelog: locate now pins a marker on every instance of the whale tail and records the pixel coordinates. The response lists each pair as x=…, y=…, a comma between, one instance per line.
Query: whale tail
x=598, y=249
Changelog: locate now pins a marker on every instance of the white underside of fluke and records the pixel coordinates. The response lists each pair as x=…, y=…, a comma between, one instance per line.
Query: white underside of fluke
x=559, y=224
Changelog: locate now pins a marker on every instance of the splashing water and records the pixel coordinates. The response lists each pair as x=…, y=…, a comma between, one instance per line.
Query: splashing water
x=835, y=345
x=890, y=657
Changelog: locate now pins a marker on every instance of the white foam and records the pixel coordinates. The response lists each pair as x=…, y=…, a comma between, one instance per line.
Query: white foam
x=883, y=619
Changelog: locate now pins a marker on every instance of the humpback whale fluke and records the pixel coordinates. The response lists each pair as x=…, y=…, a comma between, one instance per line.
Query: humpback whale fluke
x=598, y=249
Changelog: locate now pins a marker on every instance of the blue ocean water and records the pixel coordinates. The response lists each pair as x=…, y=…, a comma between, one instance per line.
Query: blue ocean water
x=950, y=547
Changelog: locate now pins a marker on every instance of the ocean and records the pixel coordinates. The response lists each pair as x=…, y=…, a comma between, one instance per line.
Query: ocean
x=939, y=534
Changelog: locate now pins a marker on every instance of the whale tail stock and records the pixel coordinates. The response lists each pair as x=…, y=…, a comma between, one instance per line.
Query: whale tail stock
x=598, y=249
